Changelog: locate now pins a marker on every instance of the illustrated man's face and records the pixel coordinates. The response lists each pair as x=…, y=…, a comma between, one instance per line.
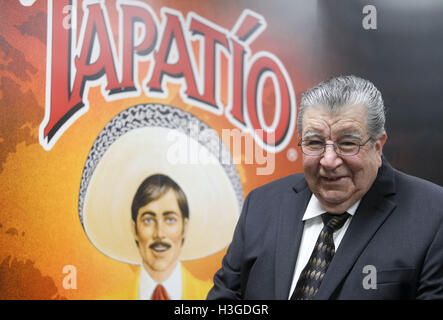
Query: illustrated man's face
x=339, y=181
x=160, y=230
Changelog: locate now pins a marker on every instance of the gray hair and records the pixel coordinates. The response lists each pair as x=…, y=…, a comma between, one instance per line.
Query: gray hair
x=336, y=93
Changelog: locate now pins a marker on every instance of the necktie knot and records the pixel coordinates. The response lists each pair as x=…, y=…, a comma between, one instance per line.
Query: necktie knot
x=334, y=221
x=160, y=293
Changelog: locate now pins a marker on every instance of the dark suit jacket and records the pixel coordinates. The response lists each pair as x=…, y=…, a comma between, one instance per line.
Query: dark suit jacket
x=397, y=228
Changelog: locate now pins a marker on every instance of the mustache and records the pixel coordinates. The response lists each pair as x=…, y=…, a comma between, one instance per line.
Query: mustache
x=159, y=243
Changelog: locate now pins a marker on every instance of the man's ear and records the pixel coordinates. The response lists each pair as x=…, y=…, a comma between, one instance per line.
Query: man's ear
x=185, y=229
x=134, y=231
x=379, y=146
x=380, y=143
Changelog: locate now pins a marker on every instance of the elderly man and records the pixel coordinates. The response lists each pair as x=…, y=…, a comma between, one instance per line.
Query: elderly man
x=350, y=226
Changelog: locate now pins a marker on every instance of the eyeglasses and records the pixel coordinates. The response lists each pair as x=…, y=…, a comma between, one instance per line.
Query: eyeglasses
x=345, y=147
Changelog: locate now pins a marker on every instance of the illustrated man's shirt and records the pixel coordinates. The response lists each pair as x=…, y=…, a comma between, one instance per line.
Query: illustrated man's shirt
x=173, y=284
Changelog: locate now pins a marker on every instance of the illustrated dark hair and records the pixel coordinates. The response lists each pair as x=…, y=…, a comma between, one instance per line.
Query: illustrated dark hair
x=154, y=187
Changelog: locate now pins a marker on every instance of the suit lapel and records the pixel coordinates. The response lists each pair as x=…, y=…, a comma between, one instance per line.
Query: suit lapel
x=372, y=212
x=290, y=230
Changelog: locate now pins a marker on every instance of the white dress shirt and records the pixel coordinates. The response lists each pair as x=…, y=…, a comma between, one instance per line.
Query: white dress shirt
x=312, y=228
x=173, y=284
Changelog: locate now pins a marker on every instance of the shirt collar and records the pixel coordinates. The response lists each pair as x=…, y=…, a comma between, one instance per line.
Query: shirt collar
x=173, y=284
x=315, y=209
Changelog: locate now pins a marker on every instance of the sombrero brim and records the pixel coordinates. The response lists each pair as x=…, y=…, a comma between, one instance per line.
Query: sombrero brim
x=139, y=153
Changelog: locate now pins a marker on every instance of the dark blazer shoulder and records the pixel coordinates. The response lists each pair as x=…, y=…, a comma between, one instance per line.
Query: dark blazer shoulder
x=419, y=194
x=264, y=204
x=418, y=184
x=293, y=182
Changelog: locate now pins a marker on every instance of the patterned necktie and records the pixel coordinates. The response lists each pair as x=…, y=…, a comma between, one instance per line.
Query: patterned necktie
x=160, y=293
x=314, y=271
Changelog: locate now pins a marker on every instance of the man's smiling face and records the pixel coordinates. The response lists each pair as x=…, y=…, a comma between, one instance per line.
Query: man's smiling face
x=339, y=181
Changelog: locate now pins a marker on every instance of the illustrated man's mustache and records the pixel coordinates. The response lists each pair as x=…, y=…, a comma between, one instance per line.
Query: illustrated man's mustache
x=160, y=246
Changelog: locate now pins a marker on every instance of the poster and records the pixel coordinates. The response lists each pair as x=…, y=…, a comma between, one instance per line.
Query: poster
x=117, y=93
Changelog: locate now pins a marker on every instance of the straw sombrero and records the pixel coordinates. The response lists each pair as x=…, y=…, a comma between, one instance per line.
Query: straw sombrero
x=150, y=139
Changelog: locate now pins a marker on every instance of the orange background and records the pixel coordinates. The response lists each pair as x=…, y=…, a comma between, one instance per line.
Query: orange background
x=40, y=231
